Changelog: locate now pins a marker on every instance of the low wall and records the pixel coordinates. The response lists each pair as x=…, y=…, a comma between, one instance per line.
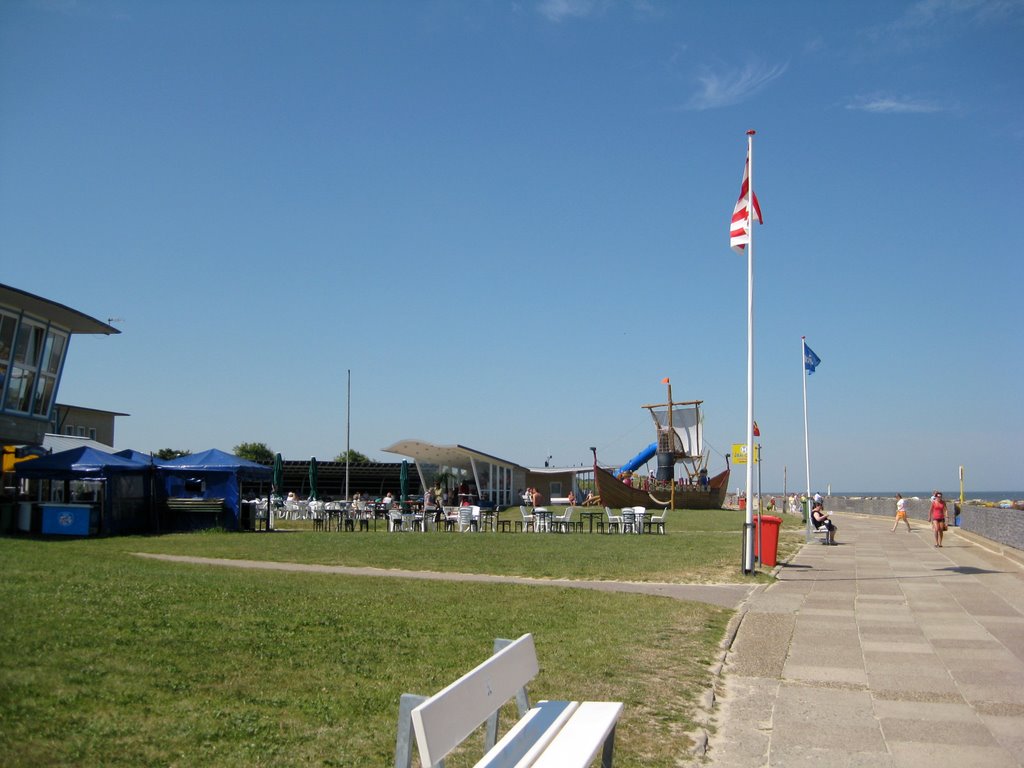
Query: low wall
x=1003, y=526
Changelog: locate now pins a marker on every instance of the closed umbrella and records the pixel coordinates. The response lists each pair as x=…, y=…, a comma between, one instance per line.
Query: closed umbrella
x=403, y=482
x=277, y=482
x=313, y=493
x=276, y=486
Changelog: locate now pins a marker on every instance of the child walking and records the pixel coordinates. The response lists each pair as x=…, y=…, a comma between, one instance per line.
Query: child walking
x=901, y=513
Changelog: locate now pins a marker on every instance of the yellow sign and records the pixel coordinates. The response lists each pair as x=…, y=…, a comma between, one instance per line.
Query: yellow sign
x=739, y=453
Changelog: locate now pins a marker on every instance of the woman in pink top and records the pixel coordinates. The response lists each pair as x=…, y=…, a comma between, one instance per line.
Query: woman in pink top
x=938, y=517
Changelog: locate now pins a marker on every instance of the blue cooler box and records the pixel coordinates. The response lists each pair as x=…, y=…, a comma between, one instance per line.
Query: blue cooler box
x=66, y=519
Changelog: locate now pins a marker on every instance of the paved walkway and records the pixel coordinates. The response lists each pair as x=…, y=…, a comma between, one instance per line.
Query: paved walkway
x=724, y=595
x=882, y=651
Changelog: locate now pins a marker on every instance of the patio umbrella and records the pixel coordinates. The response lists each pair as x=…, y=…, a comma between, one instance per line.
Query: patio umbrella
x=278, y=477
x=313, y=493
x=276, y=486
x=403, y=482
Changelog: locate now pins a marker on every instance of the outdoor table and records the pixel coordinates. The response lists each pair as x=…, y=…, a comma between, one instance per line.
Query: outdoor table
x=589, y=515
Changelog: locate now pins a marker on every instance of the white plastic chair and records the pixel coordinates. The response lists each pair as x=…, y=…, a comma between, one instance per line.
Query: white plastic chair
x=615, y=520
x=656, y=521
x=465, y=519
x=563, y=522
x=528, y=519
x=638, y=518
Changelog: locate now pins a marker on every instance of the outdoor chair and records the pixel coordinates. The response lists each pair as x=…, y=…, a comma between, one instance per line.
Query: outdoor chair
x=466, y=521
x=639, y=514
x=563, y=522
x=613, y=520
x=395, y=520
x=656, y=521
x=628, y=520
x=528, y=519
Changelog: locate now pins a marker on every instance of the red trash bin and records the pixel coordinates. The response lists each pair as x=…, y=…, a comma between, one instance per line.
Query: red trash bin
x=767, y=534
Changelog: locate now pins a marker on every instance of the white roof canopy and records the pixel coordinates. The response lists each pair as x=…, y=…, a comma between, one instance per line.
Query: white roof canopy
x=455, y=456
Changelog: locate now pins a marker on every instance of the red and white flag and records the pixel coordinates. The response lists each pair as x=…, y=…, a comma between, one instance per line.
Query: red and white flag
x=739, y=232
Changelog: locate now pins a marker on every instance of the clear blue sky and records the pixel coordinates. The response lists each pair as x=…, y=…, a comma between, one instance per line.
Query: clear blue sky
x=510, y=221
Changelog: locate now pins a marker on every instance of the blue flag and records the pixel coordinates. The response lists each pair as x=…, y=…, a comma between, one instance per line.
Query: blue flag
x=811, y=360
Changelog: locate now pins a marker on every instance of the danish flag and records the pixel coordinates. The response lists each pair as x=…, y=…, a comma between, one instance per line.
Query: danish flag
x=739, y=234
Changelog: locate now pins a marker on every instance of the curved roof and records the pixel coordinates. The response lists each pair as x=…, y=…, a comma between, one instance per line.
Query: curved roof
x=457, y=456
x=58, y=314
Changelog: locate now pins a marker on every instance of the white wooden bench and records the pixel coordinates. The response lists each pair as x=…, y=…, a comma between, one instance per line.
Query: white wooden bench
x=555, y=734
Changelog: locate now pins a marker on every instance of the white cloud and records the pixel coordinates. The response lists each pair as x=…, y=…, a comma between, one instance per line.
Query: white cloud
x=722, y=89
x=889, y=105
x=926, y=13
x=559, y=10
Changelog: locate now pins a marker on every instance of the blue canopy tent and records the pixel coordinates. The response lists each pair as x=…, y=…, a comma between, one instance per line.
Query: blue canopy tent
x=122, y=503
x=210, y=475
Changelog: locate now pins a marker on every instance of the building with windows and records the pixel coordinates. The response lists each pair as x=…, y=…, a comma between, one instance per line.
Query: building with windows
x=34, y=337
x=91, y=423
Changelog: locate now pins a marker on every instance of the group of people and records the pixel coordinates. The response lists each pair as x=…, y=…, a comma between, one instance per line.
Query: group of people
x=936, y=516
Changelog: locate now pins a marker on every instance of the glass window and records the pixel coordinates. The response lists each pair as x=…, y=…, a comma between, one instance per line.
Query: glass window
x=19, y=389
x=44, y=395
x=7, y=325
x=29, y=344
x=53, y=352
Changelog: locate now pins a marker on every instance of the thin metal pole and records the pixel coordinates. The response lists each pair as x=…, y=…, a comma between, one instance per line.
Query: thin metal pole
x=348, y=433
x=807, y=449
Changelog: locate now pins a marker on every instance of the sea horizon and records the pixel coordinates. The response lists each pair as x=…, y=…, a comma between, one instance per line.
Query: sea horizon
x=950, y=495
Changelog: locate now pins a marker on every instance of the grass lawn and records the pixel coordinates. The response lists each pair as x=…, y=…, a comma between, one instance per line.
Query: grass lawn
x=114, y=660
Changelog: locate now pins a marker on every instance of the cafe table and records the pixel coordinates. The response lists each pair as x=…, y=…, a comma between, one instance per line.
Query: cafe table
x=589, y=515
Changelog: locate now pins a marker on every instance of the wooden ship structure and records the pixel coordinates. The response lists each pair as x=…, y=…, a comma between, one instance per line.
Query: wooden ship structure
x=679, y=443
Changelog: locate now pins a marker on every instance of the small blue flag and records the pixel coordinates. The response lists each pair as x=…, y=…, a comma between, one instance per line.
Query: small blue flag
x=811, y=360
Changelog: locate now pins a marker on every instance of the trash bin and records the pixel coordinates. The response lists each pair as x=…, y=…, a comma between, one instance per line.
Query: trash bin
x=766, y=534
x=743, y=503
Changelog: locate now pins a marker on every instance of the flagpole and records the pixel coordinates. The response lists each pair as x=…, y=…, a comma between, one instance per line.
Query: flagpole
x=748, y=550
x=807, y=450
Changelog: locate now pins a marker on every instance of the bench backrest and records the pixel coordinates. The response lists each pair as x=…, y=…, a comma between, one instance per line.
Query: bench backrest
x=444, y=720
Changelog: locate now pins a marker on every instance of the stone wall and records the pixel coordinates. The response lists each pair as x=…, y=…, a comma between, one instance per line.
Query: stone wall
x=1003, y=526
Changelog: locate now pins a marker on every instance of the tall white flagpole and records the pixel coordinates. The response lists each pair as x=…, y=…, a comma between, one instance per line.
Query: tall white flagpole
x=807, y=449
x=748, y=551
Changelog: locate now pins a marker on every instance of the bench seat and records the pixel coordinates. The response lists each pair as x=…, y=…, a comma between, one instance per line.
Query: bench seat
x=555, y=734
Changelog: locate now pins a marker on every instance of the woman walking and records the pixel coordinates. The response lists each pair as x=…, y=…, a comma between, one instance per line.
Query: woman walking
x=938, y=517
x=901, y=513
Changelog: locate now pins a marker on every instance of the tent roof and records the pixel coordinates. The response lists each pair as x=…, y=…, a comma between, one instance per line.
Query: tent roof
x=131, y=453
x=213, y=460
x=78, y=462
x=456, y=456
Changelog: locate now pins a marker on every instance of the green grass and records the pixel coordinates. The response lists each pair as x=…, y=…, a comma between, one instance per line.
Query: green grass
x=114, y=660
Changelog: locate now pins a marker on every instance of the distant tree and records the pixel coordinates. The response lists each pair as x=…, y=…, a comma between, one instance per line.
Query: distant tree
x=354, y=457
x=171, y=453
x=258, y=452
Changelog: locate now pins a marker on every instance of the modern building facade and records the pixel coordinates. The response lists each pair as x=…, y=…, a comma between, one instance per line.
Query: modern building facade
x=34, y=338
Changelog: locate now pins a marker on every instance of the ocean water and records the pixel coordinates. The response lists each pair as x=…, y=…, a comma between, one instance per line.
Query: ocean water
x=953, y=494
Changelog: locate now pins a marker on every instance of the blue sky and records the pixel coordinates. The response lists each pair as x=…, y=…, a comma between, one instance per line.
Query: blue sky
x=510, y=220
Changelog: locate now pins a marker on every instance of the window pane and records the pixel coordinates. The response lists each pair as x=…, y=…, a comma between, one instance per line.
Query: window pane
x=55, y=343
x=29, y=344
x=7, y=326
x=19, y=391
x=44, y=396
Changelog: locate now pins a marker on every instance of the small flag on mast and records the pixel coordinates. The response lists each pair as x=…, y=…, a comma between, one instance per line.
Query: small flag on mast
x=811, y=360
x=757, y=432
x=739, y=234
